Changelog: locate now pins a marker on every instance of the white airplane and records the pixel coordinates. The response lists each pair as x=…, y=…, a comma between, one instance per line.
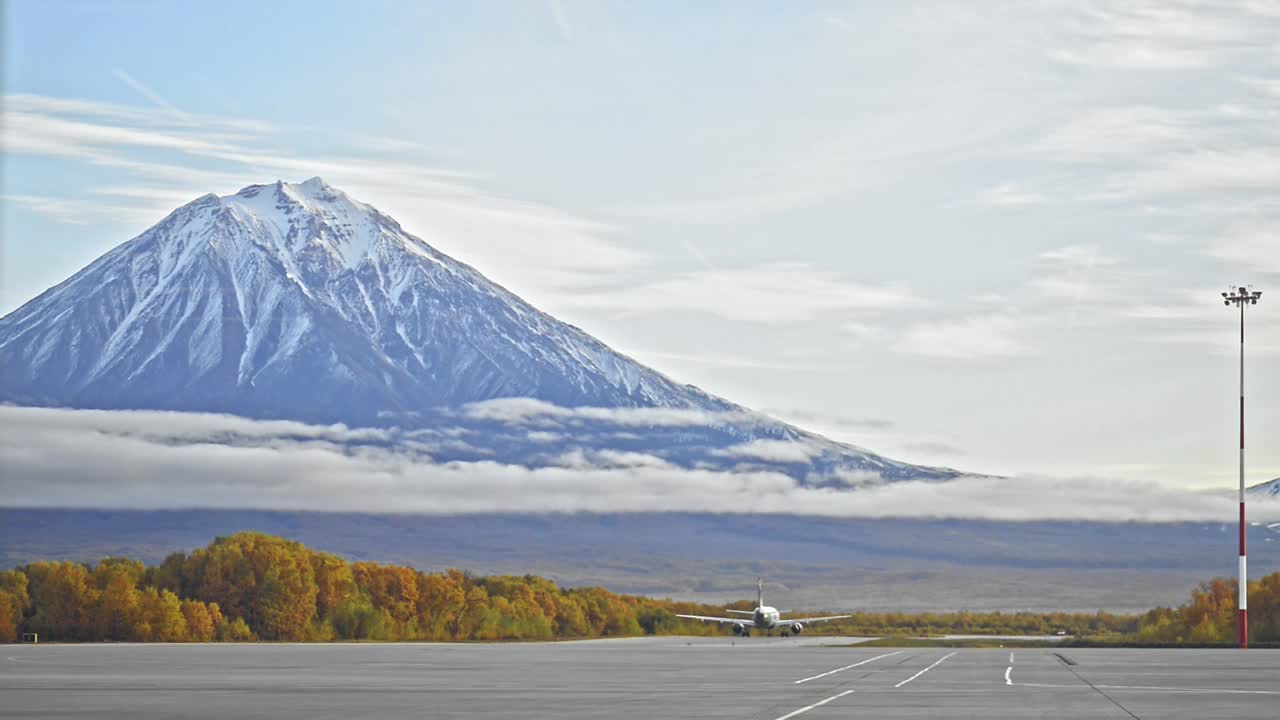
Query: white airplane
x=763, y=618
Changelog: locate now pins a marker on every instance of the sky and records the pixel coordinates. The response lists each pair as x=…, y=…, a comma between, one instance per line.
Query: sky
x=984, y=235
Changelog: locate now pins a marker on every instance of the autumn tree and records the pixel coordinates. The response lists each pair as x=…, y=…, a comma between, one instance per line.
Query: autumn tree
x=441, y=603
x=392, y=588
x=269, y=582
x=335, y=582
x=202, y=619
x=14, y=602
x=160, y=617
x=64, y=598
x=119, y=608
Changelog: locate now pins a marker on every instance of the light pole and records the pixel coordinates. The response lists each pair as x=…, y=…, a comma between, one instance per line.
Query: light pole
x=1242, y=296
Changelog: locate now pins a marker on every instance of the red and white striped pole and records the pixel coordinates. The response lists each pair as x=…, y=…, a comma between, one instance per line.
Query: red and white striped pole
x=1242, y=297
x=1244, y=561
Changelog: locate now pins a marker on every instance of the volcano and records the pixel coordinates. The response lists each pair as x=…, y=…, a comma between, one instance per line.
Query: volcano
x=296, y=301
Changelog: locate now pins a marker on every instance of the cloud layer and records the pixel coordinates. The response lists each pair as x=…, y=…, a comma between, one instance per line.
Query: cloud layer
x=152, y=460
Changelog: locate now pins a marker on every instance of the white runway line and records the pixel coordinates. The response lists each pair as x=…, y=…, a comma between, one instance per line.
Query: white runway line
x=846, y=667
x=1010, y=658
x=913, y=677
x=820, y=703
x=1008, y=679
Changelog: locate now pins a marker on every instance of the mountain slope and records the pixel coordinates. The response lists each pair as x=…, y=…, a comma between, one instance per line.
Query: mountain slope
x=244, y=303
x=296, y=301
x=1269, y=489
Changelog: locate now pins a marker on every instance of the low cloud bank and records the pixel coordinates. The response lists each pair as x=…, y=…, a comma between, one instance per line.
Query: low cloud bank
x=786, y=451
x=521, y=410
x=154, y=460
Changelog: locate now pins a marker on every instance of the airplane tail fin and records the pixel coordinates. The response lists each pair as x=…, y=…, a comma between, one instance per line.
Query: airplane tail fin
x=759, y=592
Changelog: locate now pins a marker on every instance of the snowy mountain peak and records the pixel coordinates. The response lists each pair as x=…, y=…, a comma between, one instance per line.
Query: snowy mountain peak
x=311, y=221
x=296, y=301
x=249, y=302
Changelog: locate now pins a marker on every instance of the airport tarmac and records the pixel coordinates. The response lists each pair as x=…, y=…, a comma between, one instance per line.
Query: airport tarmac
x=659, y=677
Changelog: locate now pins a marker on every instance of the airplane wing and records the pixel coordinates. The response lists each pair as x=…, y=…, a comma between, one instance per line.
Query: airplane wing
x=814, y=620
x=741, y=621
x=741, y=612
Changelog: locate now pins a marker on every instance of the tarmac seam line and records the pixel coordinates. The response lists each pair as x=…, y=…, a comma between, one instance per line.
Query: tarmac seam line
x=1070, y=666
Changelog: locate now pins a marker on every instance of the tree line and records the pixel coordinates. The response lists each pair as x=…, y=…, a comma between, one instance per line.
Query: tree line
x=252, y=586
x=1211, y=617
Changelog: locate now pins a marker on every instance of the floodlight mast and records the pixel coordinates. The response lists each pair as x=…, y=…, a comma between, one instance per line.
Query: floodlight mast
x=1242, y=296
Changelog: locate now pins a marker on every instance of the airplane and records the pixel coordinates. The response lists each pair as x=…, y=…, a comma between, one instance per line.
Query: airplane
x=763, y=618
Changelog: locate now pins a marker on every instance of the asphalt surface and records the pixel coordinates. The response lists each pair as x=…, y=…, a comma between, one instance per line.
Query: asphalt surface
x=768, y=678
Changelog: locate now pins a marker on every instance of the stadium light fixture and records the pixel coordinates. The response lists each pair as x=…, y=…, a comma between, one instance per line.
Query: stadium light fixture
x=1242, y=296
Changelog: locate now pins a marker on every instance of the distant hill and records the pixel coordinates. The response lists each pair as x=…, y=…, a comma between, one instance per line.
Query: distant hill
x=816, y=563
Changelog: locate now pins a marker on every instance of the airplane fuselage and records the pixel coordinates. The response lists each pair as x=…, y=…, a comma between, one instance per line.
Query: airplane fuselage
x=765, y=618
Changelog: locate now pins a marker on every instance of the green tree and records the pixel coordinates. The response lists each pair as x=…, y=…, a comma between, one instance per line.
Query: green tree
x=355, y=618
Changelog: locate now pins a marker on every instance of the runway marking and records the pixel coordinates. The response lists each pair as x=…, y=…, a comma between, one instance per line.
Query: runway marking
x=913, y=677
x=1008, y=679
x=820, y=703
x=846, y=667
x=1010, y=658
x=1153, y=688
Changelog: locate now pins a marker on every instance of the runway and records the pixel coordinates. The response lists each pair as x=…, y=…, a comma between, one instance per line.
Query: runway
x=661, y=677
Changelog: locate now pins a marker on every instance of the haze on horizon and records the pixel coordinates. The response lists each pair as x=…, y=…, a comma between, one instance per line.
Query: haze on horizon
x=985, y=239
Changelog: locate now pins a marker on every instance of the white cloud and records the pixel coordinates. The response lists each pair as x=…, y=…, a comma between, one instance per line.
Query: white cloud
x=520, y=410
x=67, y=458
x=784, y=451
x=1079, y=256
x=933, y=448
x=60, y=210
x=971, y=338
x=1098, y=134
x=1162, y=36
x=1252, y=247
x=537, y=250
x=580, y=459
x=1009, y=194
x=770, y=294
x=808, y=417
x=561, y=18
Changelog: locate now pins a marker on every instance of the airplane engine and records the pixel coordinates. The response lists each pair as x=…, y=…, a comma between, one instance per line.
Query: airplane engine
x=796, y=628
x=738, y=628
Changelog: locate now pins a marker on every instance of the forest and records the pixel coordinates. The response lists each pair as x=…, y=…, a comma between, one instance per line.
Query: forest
x=252, y=586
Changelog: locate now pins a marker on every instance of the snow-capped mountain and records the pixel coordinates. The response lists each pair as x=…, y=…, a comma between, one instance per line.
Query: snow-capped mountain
x=1270, y=489
x=297, y=301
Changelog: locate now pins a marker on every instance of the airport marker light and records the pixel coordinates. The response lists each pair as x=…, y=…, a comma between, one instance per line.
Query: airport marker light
x=1242, y=296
